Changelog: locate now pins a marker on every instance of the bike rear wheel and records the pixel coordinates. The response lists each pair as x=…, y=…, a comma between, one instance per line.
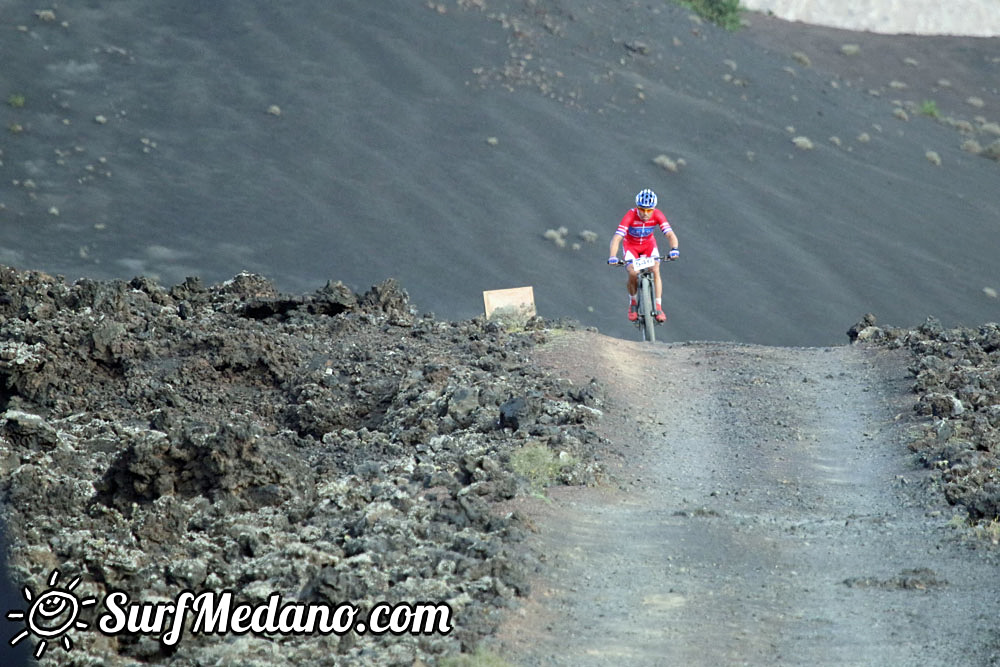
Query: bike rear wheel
x=646, y=309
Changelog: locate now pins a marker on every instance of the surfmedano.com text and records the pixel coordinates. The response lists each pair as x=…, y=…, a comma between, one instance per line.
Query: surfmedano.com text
x=218, y=613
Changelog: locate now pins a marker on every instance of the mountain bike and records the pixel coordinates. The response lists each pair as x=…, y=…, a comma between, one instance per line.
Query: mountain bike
x=645, y=292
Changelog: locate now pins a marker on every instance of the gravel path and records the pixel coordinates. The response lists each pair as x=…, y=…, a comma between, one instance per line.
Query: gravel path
x=765, y=511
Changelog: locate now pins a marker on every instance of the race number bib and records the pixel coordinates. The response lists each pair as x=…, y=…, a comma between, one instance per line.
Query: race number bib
x=643, y=263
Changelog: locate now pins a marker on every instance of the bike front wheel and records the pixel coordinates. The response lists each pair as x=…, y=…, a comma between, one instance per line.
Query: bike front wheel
x=647, y=311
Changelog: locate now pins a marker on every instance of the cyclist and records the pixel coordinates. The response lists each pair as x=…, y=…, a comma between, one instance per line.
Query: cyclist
x=636, y=229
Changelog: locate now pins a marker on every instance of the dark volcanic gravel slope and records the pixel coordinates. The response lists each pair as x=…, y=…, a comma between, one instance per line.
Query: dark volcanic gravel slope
x=171, y=139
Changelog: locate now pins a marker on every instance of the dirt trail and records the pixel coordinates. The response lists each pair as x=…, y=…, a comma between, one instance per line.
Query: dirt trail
x=764, y=510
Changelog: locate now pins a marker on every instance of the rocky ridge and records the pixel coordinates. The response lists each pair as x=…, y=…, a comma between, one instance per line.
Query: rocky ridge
x=957, y=384
x=333, y=448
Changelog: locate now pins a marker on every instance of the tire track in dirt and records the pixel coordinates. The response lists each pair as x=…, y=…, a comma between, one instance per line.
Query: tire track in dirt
x=764, y=512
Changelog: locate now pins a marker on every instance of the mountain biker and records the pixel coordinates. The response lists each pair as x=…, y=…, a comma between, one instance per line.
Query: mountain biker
x=636, y=229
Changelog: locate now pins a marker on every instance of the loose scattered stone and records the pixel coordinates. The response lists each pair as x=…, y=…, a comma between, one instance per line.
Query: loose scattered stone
x=803, y=143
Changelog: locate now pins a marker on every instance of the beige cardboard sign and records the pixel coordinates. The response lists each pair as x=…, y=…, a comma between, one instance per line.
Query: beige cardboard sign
x=513, y=301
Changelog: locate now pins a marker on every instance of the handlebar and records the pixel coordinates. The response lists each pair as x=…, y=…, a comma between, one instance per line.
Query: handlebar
x=622, y=262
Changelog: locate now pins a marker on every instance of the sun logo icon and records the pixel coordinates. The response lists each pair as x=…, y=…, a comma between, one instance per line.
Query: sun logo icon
x=51, y=615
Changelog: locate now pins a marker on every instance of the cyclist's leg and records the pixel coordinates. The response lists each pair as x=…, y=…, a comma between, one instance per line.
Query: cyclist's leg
x=633, y=287
x=657, y=284
x=633, y=282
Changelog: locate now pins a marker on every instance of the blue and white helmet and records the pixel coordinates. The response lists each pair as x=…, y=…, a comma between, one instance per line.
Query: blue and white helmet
x=646, y=199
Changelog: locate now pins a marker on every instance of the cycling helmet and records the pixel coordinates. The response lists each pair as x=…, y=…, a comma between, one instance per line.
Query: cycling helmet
x=646, y=199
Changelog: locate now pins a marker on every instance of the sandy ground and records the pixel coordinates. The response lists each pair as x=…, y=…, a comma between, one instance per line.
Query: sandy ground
x=765, y=511
x=980, y=18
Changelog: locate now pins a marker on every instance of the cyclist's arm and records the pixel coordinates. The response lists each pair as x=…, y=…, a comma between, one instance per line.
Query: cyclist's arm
x=667, y=230
x=615, y=242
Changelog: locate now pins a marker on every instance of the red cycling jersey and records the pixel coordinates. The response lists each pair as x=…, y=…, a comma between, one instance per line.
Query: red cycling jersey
x=638, y=233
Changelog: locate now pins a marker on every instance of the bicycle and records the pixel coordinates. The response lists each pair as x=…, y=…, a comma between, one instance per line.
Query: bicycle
x=645, y=291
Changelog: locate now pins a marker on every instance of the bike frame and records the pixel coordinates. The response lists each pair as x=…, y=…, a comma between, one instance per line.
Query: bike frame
x=645, y=293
